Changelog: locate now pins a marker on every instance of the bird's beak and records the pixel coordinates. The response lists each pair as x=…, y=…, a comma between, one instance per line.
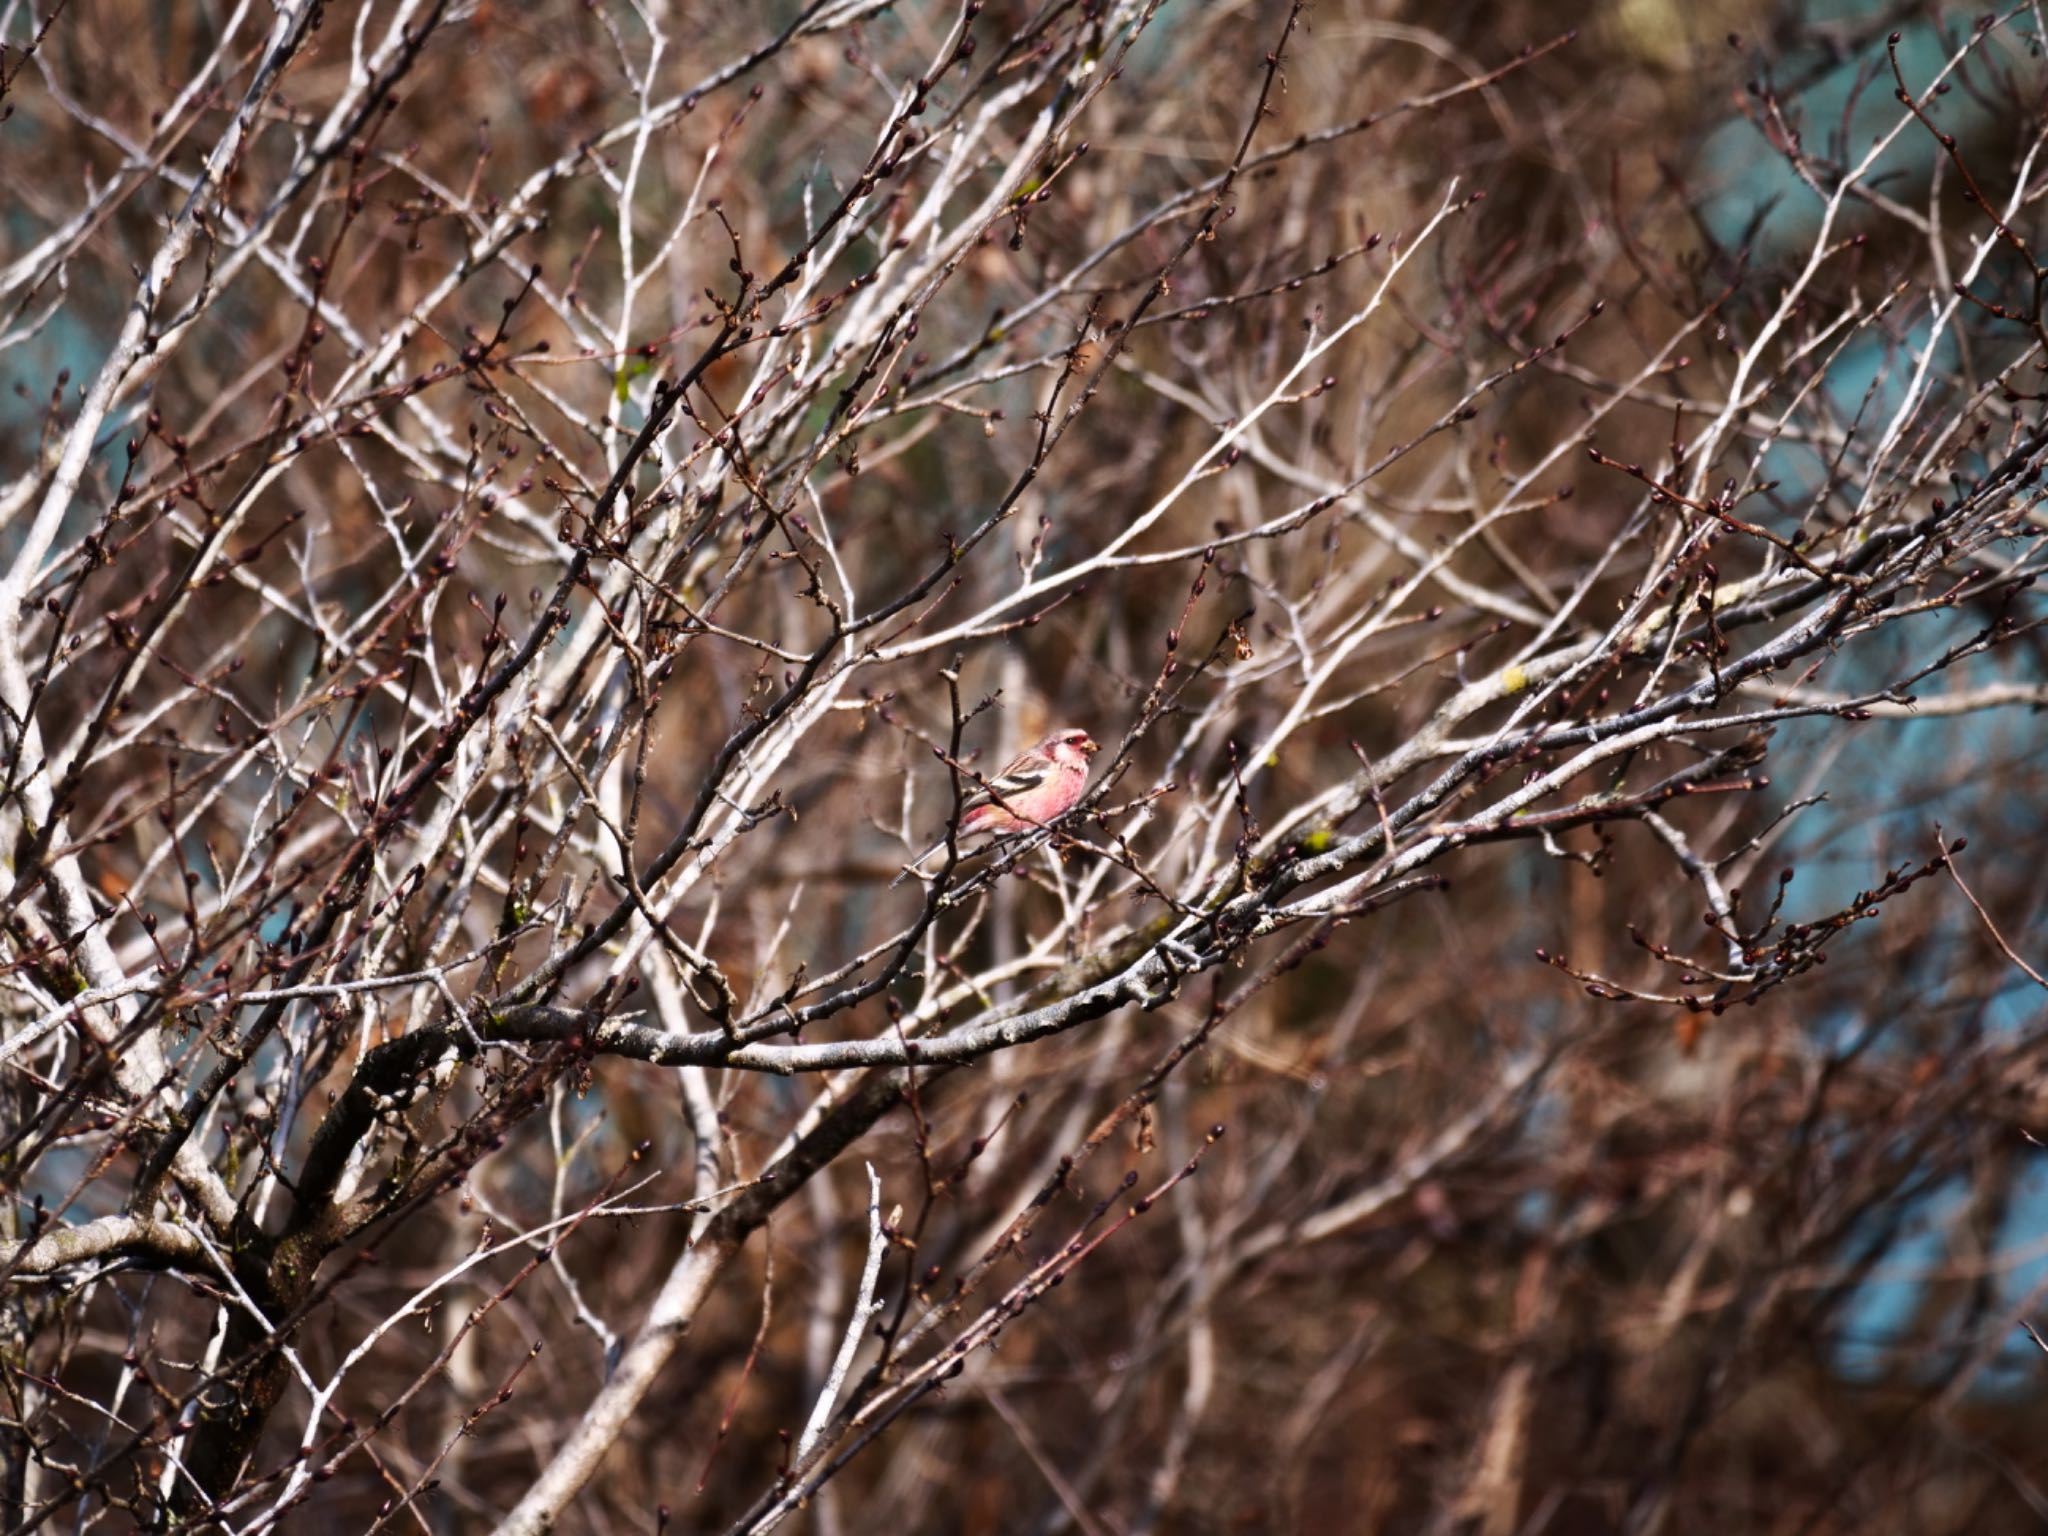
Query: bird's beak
x=1089, y=746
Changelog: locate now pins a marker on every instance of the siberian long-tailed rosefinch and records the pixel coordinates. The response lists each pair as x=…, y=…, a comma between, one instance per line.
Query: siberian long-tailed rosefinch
x=1034, y=790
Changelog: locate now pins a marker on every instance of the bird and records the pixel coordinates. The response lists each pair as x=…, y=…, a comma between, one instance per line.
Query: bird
x=1035, y=788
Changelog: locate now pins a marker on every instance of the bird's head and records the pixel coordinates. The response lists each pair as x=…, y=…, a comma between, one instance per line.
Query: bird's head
x=1071, y=746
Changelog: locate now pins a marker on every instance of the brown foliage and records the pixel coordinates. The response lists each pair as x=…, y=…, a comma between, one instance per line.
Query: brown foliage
x=522, y=519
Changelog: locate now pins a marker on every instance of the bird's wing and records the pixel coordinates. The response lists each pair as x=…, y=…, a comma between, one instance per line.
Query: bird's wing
x=1021, y=777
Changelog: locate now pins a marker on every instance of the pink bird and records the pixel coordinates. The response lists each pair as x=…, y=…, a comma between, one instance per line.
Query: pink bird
x=1036, y=789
